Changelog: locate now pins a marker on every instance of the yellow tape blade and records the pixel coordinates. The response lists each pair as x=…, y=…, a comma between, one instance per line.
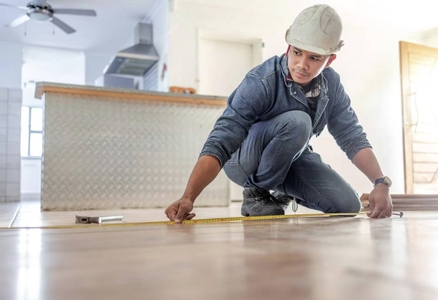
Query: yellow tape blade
x=195, y=221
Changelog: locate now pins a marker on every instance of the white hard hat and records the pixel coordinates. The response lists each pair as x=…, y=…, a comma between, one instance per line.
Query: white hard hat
x=316, y=29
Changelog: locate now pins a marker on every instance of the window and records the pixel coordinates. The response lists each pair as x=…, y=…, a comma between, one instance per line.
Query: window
x=31, y=131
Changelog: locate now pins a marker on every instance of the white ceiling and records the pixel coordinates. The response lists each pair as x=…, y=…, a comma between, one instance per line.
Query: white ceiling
x=116, y=19
x=113, y=26
x=420, y=15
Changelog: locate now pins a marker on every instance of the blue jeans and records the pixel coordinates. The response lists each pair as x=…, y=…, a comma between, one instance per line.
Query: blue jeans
x=276, y=156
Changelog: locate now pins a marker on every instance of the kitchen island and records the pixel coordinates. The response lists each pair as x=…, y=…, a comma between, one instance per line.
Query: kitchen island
x=109, y=148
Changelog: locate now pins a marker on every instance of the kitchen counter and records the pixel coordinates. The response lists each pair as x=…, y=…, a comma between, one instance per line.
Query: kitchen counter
x=107, y=148
x=105, y=92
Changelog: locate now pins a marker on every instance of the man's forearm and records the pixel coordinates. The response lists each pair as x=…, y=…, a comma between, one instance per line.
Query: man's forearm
x=205, y=171
x=367, y=163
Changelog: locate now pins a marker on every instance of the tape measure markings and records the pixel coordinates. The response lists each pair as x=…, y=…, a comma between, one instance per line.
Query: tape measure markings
x=196, y=221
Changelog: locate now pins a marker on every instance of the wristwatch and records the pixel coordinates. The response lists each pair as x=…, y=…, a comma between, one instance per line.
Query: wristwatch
x=385, y=180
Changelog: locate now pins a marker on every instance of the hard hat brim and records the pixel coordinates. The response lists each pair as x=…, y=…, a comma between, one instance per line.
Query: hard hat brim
x=301, y=46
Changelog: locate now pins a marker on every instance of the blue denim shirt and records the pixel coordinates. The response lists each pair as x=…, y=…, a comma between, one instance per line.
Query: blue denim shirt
x=265, y=93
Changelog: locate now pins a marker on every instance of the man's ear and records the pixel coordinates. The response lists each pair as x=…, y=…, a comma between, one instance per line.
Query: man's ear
x=330, y=60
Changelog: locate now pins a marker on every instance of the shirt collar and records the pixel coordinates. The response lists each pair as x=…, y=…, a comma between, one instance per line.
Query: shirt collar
x=316, y=86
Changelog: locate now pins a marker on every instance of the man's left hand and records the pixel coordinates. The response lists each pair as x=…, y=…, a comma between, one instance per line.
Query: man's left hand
x=380, y=202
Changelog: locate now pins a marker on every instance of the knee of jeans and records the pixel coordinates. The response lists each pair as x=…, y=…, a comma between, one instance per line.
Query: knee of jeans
x=295, y=125
x=235, y=173
x=349, y=204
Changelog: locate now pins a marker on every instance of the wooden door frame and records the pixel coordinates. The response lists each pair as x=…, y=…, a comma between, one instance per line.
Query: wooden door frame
x=405, y=47
x=406, y=116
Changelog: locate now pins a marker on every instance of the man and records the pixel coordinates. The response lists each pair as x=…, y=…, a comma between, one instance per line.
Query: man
x=262, y=138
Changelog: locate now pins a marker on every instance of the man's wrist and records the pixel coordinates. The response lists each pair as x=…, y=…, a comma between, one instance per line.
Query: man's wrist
x=384, y=180
x=189, y=197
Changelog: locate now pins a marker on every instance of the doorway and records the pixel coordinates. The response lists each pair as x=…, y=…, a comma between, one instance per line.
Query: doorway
x=419, y=76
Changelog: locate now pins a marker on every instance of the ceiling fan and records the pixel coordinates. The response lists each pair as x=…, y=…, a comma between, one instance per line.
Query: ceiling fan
x=40, y=10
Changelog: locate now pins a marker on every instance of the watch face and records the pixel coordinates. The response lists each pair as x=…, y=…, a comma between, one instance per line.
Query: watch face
x=387, y=181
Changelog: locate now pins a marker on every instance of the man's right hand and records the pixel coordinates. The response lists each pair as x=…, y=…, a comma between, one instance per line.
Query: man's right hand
x=206, y=169
x=180, y=210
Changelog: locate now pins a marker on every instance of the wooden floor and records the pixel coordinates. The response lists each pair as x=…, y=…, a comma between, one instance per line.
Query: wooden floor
x=327, y=258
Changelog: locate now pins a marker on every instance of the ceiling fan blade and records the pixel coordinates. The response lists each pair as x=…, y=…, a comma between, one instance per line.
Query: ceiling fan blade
x=18, y=21
x=13, y=6
x=71, y=11
x=67, y=29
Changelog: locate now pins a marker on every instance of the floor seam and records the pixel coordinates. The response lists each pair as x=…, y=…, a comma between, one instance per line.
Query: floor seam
x=11, y=223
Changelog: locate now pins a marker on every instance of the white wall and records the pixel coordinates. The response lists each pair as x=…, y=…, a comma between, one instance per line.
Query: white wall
x=368, y=65
x=52, y=64
x=10, y=62
x=431, y=38
x=95, y=63
x=159, y=17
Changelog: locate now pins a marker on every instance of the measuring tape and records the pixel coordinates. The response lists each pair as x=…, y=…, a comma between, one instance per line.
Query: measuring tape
x=196, y=221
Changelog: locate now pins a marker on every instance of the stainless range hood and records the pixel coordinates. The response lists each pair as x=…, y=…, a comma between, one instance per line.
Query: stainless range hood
x=138, y=59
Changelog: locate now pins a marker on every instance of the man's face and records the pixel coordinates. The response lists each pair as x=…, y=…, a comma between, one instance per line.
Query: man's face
x=304, y=66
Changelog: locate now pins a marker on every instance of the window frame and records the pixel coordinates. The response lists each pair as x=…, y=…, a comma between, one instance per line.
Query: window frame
x=30, y=132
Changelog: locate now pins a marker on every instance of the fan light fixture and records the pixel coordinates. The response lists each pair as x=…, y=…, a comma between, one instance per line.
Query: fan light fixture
x=39, y=10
